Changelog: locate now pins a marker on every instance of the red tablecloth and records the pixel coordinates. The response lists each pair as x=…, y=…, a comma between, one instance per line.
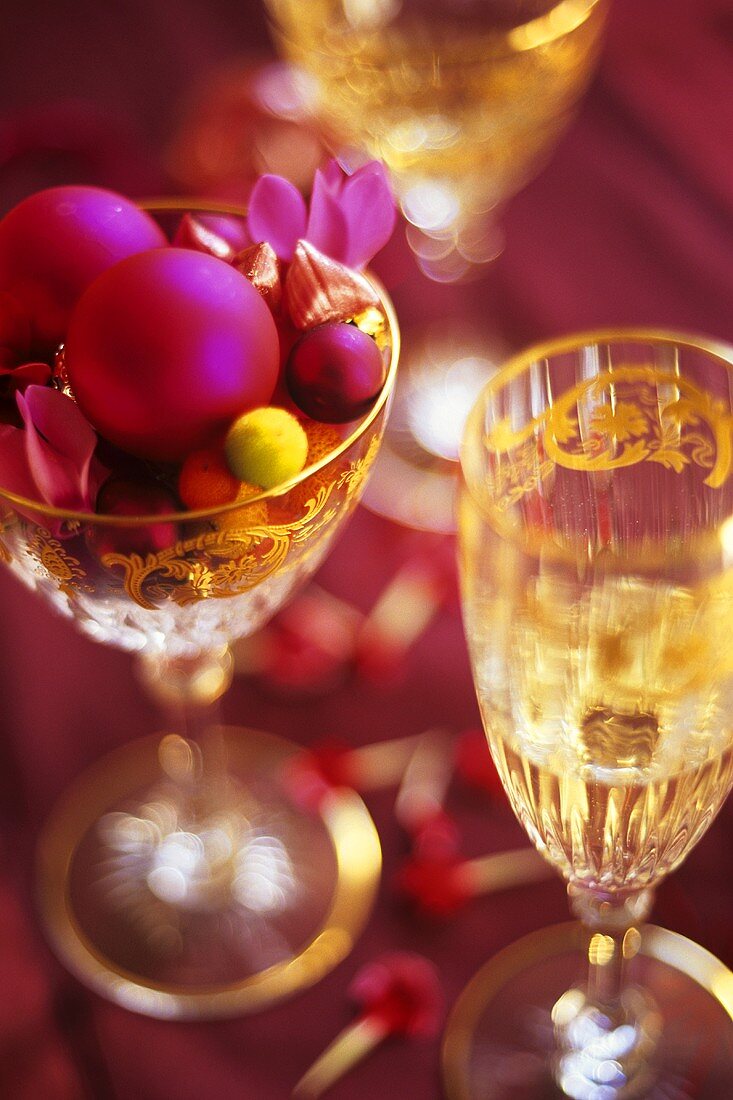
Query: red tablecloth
x=632, y=222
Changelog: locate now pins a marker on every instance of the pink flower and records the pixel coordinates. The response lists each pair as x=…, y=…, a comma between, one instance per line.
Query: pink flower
x=350, y=217
x=50, y=459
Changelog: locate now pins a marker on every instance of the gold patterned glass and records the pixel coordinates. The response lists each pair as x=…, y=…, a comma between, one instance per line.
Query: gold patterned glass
x=596, y=529
x=178, y=877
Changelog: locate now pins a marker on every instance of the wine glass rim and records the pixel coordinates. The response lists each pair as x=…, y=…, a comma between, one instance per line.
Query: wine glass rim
x=41, y=508
x=516, y=364
x=557, y=27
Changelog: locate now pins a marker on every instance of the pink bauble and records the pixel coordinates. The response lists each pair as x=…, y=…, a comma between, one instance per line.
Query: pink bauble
x=125, y=496
x=335, y=372
x=165, y=349
x=56, y=242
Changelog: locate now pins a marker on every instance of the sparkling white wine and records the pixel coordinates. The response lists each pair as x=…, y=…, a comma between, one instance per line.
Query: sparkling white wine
x=459, y=99
x=608, y=701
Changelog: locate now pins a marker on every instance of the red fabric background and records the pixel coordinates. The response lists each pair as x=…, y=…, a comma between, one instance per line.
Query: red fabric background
x=631, y=222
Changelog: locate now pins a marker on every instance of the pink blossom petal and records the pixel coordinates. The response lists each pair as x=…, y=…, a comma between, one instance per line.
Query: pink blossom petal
x=368, y=207
x=59, y=445
x=327, y=228
x=277, y=214
x=334, y=175
x=98, y=474
x=15, y=474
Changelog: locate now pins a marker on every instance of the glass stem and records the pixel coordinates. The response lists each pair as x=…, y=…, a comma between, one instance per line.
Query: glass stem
x=193, y=752
x=606, y=1032
x=610, y=922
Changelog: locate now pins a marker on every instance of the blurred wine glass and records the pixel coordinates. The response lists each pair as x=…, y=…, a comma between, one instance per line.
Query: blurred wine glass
x=464, y=101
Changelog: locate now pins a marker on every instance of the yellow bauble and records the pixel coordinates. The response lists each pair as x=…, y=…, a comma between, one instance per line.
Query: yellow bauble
x=266, y=447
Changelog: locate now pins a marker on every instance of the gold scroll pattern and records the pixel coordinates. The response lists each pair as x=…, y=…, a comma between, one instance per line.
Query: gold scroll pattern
x=223, y=563
x=212, y=563
x=638, y=414
x=5, y=555
x=57, y=563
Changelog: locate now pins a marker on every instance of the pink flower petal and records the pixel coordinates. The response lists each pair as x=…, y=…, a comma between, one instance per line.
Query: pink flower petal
x=277, y=214
x=368, y=207
x=327, y=228
x=15, y=474
x=59, y=446
x=334, y=175
x=98, y=474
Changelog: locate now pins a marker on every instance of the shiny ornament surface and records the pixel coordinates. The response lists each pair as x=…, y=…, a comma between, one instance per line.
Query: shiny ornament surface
x=335, y=372
x=167, y=348
x=319, y=289
x=218, y=235
x=56, y=242
x=259, y=264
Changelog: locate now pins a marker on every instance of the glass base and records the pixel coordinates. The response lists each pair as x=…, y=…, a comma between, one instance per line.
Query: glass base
x=261, y=901
x=499, y=1039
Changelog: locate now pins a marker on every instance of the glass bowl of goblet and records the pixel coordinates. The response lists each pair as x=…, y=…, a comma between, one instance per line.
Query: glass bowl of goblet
x=596, y=554
x=178, y=876
x=464, y=103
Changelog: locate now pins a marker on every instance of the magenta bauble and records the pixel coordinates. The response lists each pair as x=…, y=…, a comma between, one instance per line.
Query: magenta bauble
x=335, y=372
x=165, y=349
x=56, y=242
x=124, y=496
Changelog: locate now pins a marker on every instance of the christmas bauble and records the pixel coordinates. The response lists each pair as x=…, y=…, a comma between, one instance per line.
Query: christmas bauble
x=335, y=372
x=205, y=480
x=266, y=447
x=56, y=242
x=165, y=349
x=124, y=496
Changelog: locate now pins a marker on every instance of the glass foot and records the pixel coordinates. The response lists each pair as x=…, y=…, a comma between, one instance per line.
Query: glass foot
x=499, y=1040
x=200, y=908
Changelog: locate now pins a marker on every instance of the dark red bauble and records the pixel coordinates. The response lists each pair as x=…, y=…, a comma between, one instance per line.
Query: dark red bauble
x=335, y=372
x=55, y=243
x=123, y=496
x=165, y=349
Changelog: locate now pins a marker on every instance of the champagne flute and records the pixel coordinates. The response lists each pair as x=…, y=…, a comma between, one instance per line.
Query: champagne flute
x=463, y=100
x=178, y=876
x=596, y=534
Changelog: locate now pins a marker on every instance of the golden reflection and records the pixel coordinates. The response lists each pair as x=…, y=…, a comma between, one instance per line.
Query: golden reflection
x=601, y=949
x=192, y=861
x=165, y=863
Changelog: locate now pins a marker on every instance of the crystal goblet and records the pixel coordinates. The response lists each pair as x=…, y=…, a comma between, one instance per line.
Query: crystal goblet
x=178, y=877
x=596, y=525
x=464, y=103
